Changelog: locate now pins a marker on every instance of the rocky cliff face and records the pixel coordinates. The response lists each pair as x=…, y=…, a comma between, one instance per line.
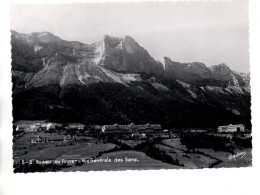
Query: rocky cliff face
x=116, y=80
x=198, y=73
x=54, y=61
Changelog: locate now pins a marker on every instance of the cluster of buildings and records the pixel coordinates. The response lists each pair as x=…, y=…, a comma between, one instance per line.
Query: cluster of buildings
x=33, y=127
x=112, y=129
x=40, y=139
x=46, y=126
x=131, y=128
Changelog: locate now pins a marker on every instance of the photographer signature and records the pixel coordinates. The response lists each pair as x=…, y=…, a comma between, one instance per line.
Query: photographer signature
x=234, y=156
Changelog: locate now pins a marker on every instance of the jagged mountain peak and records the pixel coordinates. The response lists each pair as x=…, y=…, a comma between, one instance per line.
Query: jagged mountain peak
x=37, y=37
x=128, y=42
x=106, y=36
x=43, y=33
x=129, y=38
x=221, y=67
x=45, y=36
x=112, y=42
x=190, y=64
x=197, y=64
x=109, y=38
x=199, y=73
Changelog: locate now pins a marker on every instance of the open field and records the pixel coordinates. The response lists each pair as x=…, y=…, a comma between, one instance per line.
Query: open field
x=131, y=143
x=144, y=163
x=175, y=142
x=157, y=153
x=25, y=137
x=189, y=160
x=84, y=150
x=88, y=150
x=199, y=158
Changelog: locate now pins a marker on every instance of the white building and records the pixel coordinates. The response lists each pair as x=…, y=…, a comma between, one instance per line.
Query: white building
x=51, y=125
x=28, y=128
x=35, y=127
x=23, y=128
x=231, y=128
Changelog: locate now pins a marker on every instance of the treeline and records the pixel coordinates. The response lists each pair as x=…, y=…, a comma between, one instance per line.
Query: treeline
x=202, y=140
x=106, y=103
x=242, y=142
x=147, y=147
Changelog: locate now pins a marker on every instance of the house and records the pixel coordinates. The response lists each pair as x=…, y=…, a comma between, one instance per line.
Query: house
x=68, y=138
x=231, y=128
x=35, y=127
x=30, y=126
x=138, y=136
x=38, y=139
x=22, y=128
x=27, y=128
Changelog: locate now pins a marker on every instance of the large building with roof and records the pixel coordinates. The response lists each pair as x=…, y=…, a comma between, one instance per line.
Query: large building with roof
x=132, y=128
x=231, y=128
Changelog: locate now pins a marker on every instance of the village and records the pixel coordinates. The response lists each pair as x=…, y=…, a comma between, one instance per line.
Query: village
x=36, y=141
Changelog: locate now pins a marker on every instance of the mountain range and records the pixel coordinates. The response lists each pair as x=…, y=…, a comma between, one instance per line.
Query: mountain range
x=115, y=80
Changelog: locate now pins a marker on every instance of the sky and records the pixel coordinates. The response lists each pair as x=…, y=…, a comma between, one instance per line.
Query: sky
x=210, y=32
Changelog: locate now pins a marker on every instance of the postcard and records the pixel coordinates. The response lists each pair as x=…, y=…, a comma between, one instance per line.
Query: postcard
x=130, y=86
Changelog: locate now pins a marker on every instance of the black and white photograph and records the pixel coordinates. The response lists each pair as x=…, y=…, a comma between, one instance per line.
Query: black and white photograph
x=130, y=86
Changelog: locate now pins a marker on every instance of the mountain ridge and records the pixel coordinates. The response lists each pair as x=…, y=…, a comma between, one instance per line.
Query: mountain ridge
x=121, y=55
x=47, y=66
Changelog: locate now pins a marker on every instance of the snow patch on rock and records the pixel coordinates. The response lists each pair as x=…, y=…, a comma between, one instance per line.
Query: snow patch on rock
x=130, y=77
x=112, y=75
x=64, y=75
x=202, y=88
x=237, y=89
x=209, y=88
x=37, y=48
x=185, y=85
x=44, y=62
x=194, y=95
x=81, y=74
x=214, y=88
x=228, y=90
x=100, y=51
x=74, y=52
x=140, y=87
x=43, y=34
x=235, y=81
x=160, y=87
x=236, y=112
